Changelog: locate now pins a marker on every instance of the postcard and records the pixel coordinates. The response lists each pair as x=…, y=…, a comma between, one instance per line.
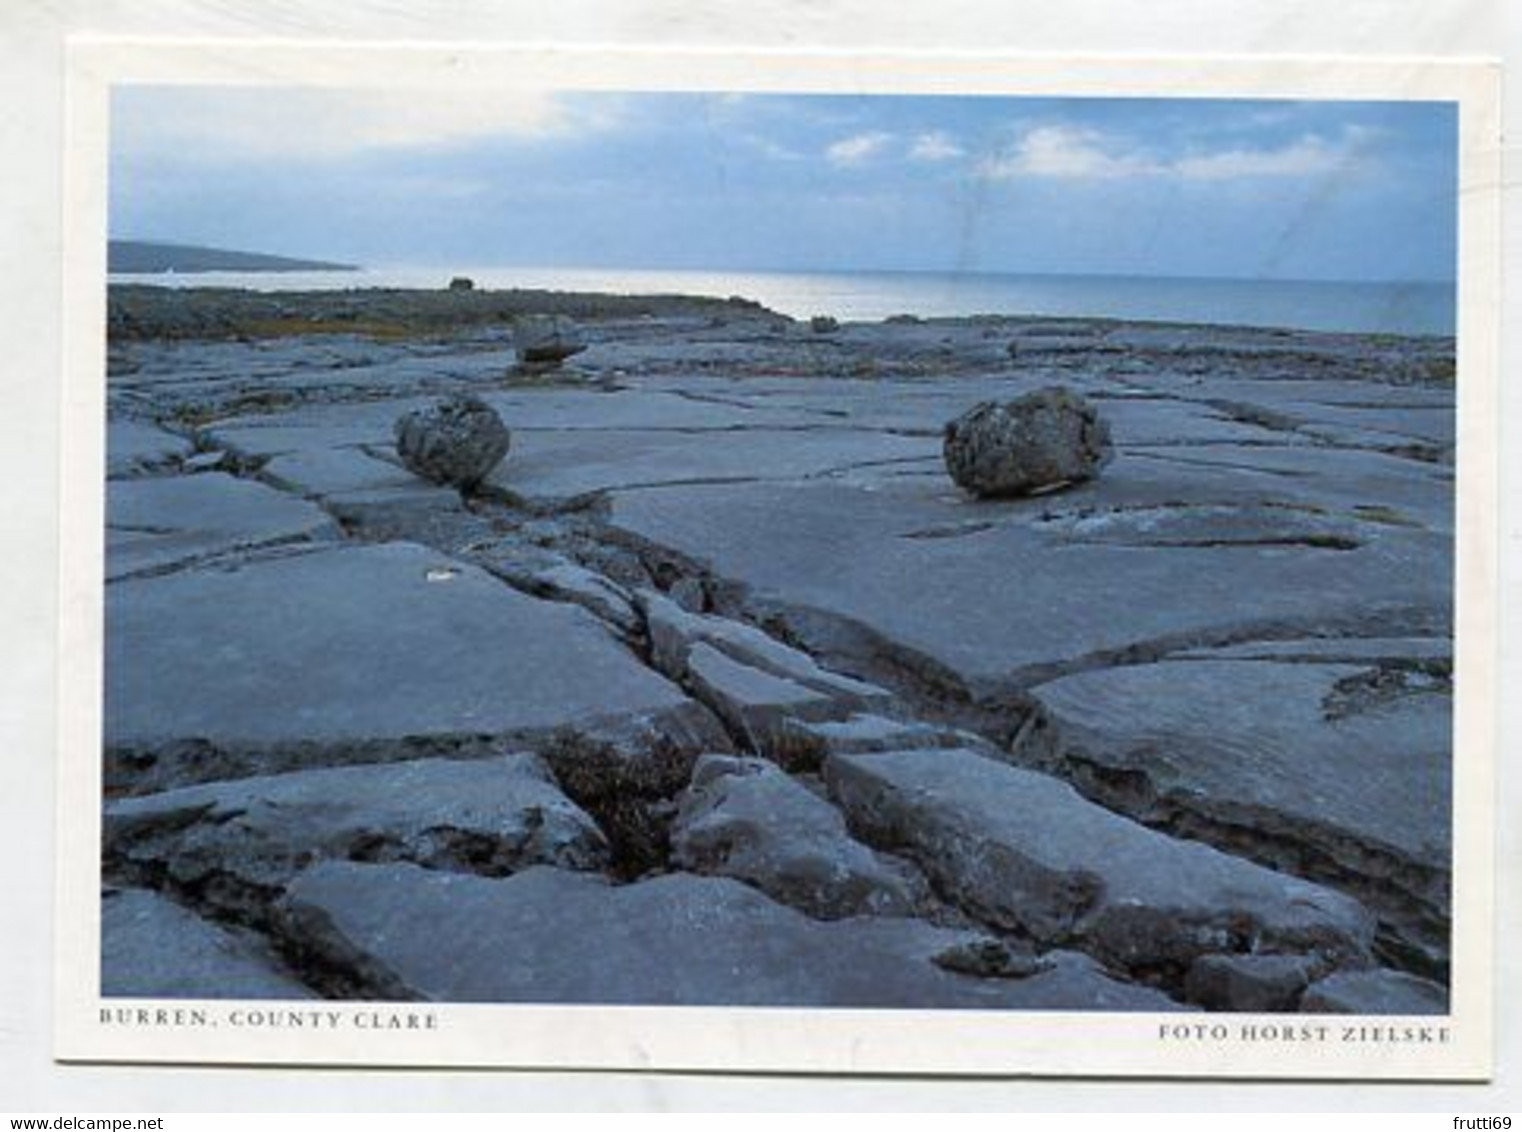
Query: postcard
x=763, y=563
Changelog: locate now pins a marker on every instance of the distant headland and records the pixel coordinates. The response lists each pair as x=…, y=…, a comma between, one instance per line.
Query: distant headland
x=150, y=257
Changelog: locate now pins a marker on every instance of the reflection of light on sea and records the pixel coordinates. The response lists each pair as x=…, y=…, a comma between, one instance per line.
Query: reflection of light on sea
x=1395, y=308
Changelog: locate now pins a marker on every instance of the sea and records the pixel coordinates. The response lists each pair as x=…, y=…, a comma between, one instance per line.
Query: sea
x=1414, y=308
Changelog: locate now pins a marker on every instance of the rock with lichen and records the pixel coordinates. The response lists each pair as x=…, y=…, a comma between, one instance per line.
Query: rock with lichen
x=455, y=442
x=1041, y=441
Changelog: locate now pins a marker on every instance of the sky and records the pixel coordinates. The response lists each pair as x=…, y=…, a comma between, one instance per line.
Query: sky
x=1172, y=187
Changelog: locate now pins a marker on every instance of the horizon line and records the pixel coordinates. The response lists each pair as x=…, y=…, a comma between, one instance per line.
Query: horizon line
x=361, y=265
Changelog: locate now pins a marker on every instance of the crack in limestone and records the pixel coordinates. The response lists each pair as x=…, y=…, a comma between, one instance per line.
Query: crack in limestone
x=1417, y=451
x=933, y=692
x=142, y=528
x=285, y=546
x=1405, y=621
x=1245, y=412
x=1284, y=473
x=234, y=903
x=951, y=530
x=148, y=766
x=1311, y=542
x=845, y=469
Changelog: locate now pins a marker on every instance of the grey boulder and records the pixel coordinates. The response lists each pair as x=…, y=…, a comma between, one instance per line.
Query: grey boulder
x=546, y=340
x=1044, y=440
x=456, y=442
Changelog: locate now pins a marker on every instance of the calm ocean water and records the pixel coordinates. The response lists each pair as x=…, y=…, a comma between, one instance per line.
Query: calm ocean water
x=1395, y=308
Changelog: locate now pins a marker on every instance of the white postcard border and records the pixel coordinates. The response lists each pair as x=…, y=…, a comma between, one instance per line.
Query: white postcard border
x=89, y=1028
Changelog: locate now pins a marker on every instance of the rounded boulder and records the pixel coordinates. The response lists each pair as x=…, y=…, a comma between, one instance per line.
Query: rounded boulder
x=456, y=442
x=1044, y=440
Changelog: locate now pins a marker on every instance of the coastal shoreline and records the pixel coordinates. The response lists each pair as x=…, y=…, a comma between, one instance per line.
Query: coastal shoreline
x=149, y=309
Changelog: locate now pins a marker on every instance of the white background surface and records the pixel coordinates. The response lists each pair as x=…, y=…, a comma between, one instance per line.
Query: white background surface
x=31, y=70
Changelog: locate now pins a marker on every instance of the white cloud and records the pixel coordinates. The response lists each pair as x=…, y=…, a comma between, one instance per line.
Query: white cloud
x=1067, y=152
x=258, y=123
x=1309, y=156
x=858, y=148
x=935, y=146
x=1072, y=153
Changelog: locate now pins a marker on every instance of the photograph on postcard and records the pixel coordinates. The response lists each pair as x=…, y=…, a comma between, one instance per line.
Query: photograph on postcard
x=976, y=553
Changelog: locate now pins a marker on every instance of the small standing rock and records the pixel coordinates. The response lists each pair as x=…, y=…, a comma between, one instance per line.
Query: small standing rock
x=546, y=340
x=462, y=283
x=456, y=442
x=823, y=324
x=1046, y=439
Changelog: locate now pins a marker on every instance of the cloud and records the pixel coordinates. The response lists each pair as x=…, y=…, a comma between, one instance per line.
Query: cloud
x=935, y=146
x=858, y=148
x=264, y=123
x=1067, y=152
x=1309, y=156
x=1061, y=152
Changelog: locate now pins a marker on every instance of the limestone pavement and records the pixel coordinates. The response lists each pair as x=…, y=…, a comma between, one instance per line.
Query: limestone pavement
x=718, y=690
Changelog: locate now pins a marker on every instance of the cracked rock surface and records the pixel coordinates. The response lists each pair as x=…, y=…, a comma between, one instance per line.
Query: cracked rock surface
x=720, y=691
x=1338, y=767
x=153, y=948
x=547, y=935
x=1027, y=853
x=746, y=818
x=490, y=815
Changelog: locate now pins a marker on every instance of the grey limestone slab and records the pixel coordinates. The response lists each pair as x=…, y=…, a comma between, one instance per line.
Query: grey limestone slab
x=546, y=935
x=154, y=948
x=357, y=653
x=745, y=818
x=1027, y=852
x=136, y=447
x=170, y=521
x=489, y=815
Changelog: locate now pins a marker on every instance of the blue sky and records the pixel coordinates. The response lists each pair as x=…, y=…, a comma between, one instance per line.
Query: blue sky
x=1231, y=188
